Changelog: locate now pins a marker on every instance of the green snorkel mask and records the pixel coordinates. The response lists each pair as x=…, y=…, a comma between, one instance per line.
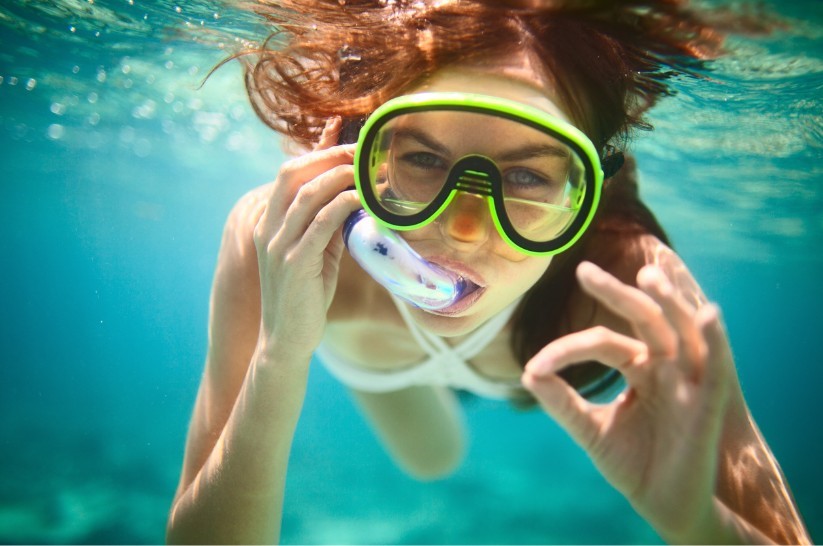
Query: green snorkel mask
x=540, y=176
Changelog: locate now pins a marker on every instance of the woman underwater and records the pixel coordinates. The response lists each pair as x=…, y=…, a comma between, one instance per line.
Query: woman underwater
x=499, y=123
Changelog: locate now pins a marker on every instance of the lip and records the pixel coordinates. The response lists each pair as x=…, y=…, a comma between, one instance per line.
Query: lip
x=460, y=268
x=468, y=274
x=460, y=305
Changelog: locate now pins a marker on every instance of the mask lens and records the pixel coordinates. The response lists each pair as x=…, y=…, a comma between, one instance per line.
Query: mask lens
x=543, y=186
x=409, y=168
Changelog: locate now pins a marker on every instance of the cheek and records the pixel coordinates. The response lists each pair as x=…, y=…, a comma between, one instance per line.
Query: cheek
x=525, y=273
x=515, y=278
x=504, y=250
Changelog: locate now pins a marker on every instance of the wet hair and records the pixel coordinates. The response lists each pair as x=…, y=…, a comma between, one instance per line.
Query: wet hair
x=609, y=60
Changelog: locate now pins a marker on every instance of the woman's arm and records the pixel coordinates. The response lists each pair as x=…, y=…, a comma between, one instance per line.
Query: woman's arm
x=249, y=400
x=679, y=443
x=275, y=280
x=751, y=491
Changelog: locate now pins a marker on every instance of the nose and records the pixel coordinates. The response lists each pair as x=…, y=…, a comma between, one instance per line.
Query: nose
x=466, y=219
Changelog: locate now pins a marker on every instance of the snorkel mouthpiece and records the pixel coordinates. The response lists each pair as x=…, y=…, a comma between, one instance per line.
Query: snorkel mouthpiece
x=385, y=256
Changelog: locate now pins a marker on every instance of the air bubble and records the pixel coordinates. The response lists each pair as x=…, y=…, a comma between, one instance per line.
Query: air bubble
x=56, y=131
x=235, y=142
x=145, y=110
x=31, y=83
x=92, y=98
x=57, y=108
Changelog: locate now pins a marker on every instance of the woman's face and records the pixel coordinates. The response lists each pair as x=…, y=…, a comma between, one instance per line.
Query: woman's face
x=464, y=238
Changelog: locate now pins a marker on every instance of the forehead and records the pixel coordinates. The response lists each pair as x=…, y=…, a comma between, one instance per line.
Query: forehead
x=510, y=77
x=456, y=132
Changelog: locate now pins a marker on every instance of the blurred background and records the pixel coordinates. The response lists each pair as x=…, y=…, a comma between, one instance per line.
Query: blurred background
x=117, y=170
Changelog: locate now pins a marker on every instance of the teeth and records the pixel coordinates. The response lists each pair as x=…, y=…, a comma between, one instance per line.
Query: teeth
x=470, y=286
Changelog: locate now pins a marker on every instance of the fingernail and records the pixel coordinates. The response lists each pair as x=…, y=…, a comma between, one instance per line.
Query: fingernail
x=586, y=269
x=651, y=276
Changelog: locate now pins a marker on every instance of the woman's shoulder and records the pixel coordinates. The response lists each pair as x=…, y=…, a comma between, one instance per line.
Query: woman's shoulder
x=238, y=231
x=248, y=209
x=237, y=267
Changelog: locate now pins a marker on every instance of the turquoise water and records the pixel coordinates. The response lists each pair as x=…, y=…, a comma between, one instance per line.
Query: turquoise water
x=117, y=173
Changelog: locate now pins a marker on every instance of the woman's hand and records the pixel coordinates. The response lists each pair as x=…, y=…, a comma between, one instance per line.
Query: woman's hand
x=299, y=245
x=657, y=442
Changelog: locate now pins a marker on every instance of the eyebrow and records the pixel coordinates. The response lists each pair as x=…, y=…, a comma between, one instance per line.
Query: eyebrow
x=423, y=139
x=534, y=151
x=519, y=154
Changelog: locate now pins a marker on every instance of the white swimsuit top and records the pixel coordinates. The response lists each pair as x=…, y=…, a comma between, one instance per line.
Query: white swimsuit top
x=446, y=366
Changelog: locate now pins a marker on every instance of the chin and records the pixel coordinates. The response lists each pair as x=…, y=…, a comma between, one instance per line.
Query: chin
x=444, y=326
x=450, y=325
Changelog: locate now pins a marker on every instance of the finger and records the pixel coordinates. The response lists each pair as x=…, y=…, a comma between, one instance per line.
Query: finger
x=328, y=137
x=718, y=355
x=564, y=405
x=327, y=223
x=300, y=170
x=600, y=344
x=644, y=314
x=312, y=197
x=680, y=314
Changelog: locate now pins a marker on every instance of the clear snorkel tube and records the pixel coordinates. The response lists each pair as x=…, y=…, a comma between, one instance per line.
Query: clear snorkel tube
x=390, y=261
x=385, y=256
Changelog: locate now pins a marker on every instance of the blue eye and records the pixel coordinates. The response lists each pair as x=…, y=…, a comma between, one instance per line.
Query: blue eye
x=525, y=179
x=423, y=160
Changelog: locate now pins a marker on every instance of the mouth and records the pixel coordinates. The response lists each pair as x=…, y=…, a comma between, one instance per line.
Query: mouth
x=475, y=286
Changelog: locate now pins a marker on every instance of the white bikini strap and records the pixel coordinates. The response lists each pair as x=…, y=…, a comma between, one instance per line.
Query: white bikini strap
x=478, y=340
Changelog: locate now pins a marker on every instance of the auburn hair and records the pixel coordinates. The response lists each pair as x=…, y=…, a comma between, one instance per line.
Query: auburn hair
x=609, y=60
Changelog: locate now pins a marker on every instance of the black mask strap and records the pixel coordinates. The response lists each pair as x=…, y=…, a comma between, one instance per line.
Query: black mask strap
x=612, y=162
x=350, y=130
